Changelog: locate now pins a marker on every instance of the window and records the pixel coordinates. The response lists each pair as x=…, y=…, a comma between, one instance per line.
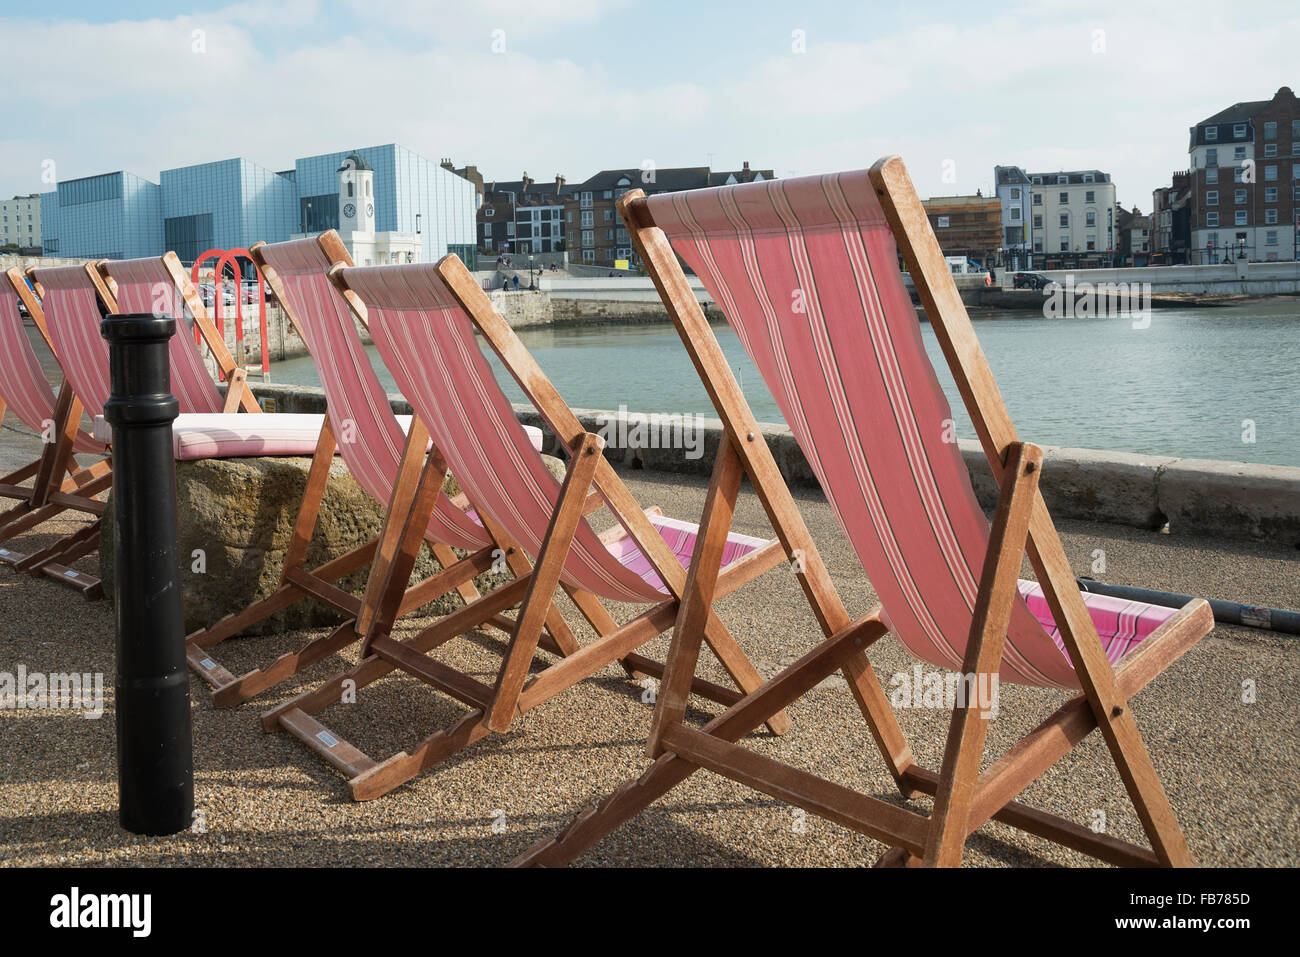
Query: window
x=1089, y=178
x=1212, y=175
x=609, y=214
x=586, y=219
x=1239, y=153
x=1295, y=129
x=1239, y=174
x=489, y=211
x=1270, y=216
x=1038, y=245
x=589, y=255
x=1270, y=237
x=588, y=238
x=1064, y=199
x=1061, y=180
x=942, y=222
x=1211, y=157
x=1211, y=133
x=1090, y=219
x=1065, y=244
x=1211, y=219
x=1015, y=214
x=510, y=229
x=1295, y=148
x=1038, y=222
x=1239, y=218
x=1091, y=243
x=1270, y=194
x=1211, y=197
x=1270, y=130
x=609, y=235
x=1015, y=193
x=1090, y=196
x=1038, y=199
x=1238, y=131
x=1065, y=220
x=1295, y=171
x=1238, y=197
x=586, y=200
x=1038, y=180
x=568, y=216
x=1270, y=174
x=1270, y=149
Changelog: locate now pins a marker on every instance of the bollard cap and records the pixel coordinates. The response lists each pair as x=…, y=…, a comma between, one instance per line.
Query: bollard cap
x=137, y=327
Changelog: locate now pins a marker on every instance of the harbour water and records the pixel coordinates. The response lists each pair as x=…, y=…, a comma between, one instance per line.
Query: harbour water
x=1215, y=383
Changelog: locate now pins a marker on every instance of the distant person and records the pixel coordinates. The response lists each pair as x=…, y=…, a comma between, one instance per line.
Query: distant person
x=516, y=282
x=505, y=284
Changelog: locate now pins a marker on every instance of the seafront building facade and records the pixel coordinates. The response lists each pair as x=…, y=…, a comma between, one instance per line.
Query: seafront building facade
x=234, y=203
x=20, y=224
x=1072, y=217
x=1245, y=166
x=969, y=226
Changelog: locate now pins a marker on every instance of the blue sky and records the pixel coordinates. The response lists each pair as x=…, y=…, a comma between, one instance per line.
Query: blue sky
x=573, y=86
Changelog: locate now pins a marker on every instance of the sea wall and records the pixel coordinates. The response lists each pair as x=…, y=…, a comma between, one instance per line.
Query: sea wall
x=1194, y=496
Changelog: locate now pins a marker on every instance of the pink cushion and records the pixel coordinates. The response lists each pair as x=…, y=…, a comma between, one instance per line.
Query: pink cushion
x=227, y=435
x=1121, y=623
x=680, y=537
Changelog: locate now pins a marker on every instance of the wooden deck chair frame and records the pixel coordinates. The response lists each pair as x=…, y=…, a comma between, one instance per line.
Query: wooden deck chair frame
x=494, y=708
x=58, y=483
x=299, y=583
x=964, y=798
x=55, y=560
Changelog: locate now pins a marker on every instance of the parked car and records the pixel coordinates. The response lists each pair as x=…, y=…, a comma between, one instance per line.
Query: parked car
x=1030, y=280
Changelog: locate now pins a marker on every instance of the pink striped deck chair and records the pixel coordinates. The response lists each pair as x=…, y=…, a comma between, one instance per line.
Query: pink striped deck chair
x=58, y=483
x=73, y=299
x=806, y=271
x=423, y=320
x=385, y=454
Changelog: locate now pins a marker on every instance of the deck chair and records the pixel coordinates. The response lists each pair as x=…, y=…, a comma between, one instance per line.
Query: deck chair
x=72, y=301
x=806, y=271
x=423, y=319
x=57, y=482
x=385, y=454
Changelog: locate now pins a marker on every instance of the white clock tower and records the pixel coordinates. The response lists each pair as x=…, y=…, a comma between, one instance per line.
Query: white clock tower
x=356, y=196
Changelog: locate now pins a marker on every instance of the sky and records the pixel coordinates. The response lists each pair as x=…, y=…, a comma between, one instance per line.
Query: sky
x=576, y=86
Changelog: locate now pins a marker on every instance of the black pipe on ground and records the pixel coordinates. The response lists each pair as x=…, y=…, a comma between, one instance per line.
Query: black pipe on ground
x=155, y=769
x=1225, y=612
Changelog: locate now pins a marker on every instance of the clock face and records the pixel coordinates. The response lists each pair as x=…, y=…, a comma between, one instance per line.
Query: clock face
x=349, y=210
x=370, y=209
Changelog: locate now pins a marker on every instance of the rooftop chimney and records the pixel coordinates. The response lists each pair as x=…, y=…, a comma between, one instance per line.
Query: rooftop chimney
x=746, y=166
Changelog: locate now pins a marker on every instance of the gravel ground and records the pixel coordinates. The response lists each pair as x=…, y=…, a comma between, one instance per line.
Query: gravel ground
x=1229, y=767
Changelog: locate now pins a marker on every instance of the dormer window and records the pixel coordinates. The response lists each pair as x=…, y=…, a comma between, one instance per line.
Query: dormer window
x=1211, y=132
x=1239, y=131
x=1088, y=178
x=1062, y=179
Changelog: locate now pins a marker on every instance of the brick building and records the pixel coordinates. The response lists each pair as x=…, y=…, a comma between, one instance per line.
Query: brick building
x=522, y=216
x=1245, y=166
x=594, y=231
x=1171, y=221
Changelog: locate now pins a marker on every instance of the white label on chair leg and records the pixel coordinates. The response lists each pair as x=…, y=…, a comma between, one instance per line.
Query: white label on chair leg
x=327, y=739
x=208, y=663
x=70, y=574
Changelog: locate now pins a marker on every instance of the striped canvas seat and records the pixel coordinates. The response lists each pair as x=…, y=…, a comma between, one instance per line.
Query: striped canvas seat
x=23, y=385
x=807, y=273
x=428, y=344
x=218, y=435
x=369, y=436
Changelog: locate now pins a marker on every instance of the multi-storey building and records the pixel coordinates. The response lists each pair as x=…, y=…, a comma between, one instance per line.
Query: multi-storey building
x=1245, y=164
x=592, y=227
x=1171, y=221
x=1013, y=190
x=20, y=225
x=234, y=203
x=968, y=226
x=522, y=216
x=1072, y=218
x=109, y=216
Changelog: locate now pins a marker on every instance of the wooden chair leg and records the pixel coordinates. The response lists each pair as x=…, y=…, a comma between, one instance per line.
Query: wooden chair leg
x=545, y=578
x=983, y=657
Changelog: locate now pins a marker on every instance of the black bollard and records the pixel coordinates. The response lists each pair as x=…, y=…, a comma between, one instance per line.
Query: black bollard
x=155, y=769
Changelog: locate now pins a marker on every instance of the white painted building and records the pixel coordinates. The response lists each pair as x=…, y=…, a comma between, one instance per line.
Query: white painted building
x=356, y=219
x=1072, y=212
x=20, y=223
